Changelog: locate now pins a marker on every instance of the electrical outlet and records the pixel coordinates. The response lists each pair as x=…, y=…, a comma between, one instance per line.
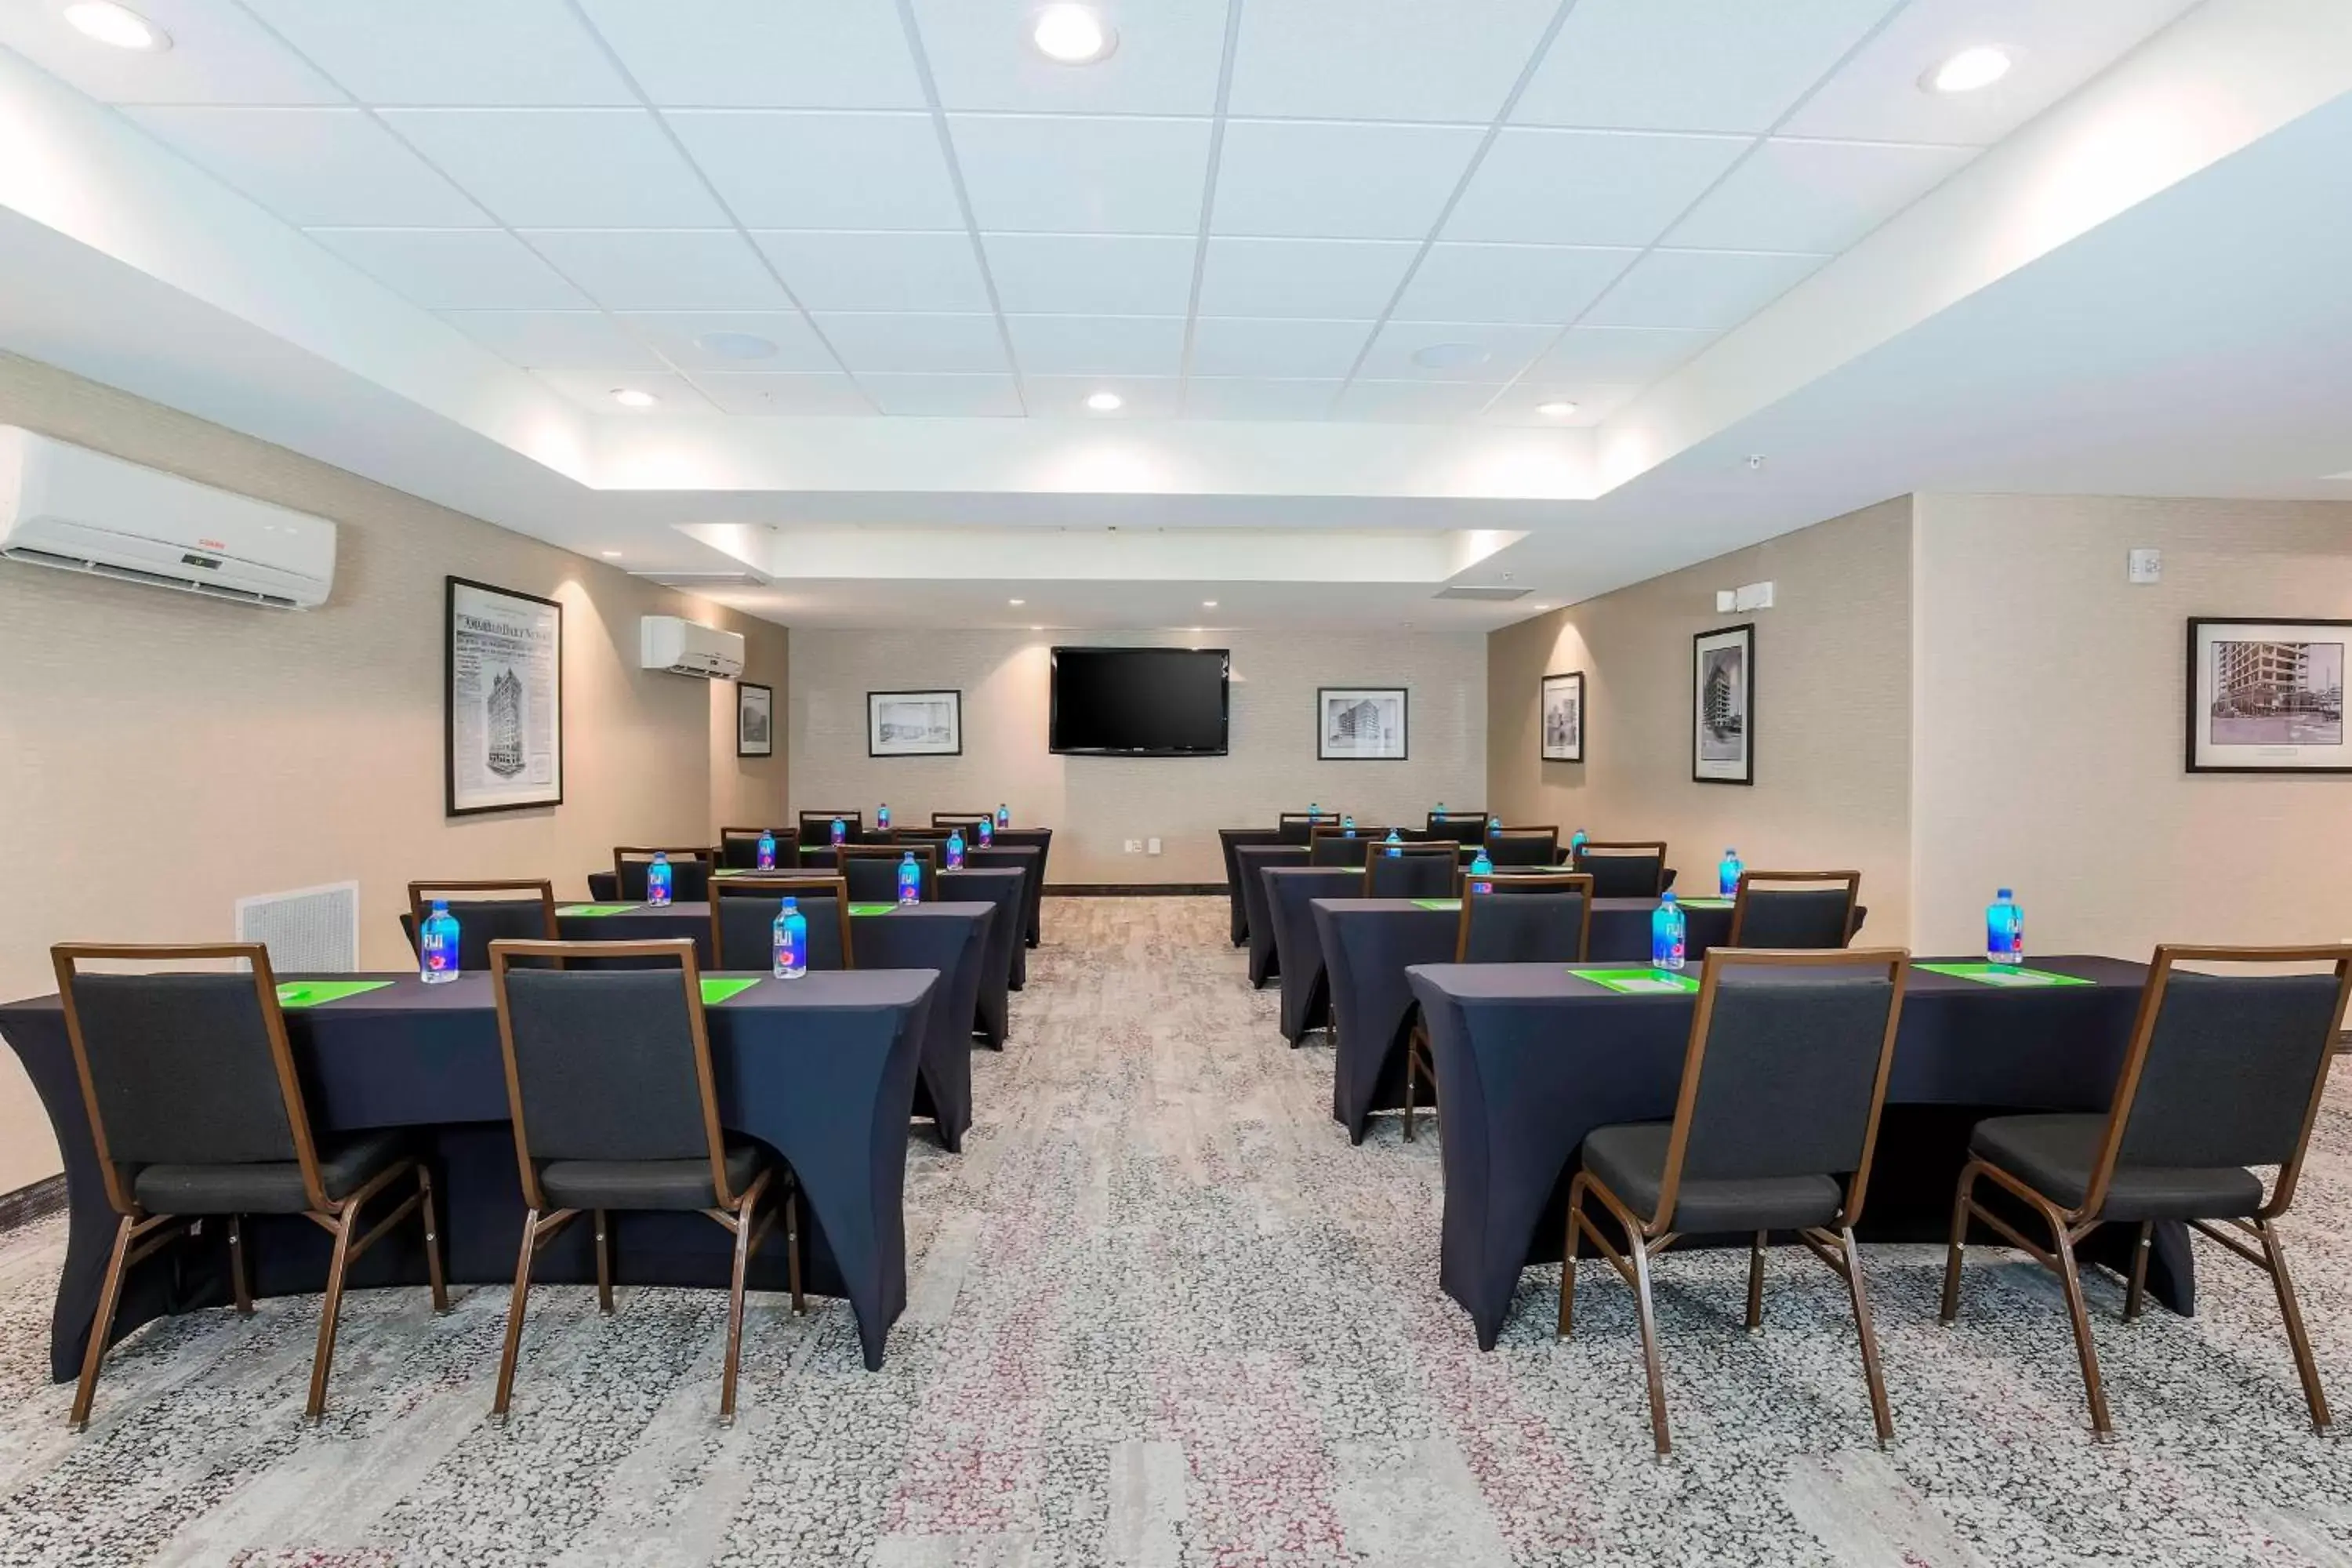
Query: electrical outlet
x=1135, y=847
x=1151, y=847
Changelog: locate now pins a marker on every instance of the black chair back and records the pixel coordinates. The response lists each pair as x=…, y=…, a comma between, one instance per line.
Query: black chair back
x=744, y=921
x=1523, y=846
x=816, y=826
x=967, y=820
x=872, y=871
x=1298, y=827
x=1461, y=826
x=689, y=872
x=1416, y=871
x=1627, y=870
x=1807, y=909
x=527, y=912
x=1332, y=847
x=1526, y=919
x=738, y=847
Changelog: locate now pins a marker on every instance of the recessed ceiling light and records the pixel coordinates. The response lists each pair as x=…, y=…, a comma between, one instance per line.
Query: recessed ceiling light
x=1449, y=356
x=117, y=25
x=1208, y=604
x=736, y=345
x=612, y=555
x=1968, y=71
x=630, y=397
x=1072, y=35
x=1016, y=601
x=1037, y=628
x=1556, y=410
x=1106, y=403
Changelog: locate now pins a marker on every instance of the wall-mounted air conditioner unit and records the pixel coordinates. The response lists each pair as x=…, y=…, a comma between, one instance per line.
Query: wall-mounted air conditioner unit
x=689, y=648
x=81, y=510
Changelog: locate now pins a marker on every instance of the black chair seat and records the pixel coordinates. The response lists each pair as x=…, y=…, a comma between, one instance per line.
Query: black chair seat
x=1630, y=1160
x=646, y=1183
x=345, y=1164
x=2054, y=1154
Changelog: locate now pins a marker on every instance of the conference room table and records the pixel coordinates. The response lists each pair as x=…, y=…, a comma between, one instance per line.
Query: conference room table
x=1230, y=839
x=1250, y=862
x=1532, y=1057
x=1029, y=859
x=820, y=1069
x=1041, y=839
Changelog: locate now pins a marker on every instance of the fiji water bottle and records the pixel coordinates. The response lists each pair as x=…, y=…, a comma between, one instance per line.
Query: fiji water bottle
x=767, y=859
x=882, y=817
x=1394, y=846
x=1481, y=874
x=1576, y=847
x=840, y=833
x=987, y=831
x=437, y=945
x=1726, y=873
x=1004, y=815
x=791, y=944
x=910, y=880
x=657, y=881
x=1313, y=811
x=2004, y=932
x=1348, y=826
x=1666, y=935
x=1440, y=810
x=955, y=849
x=1494, y=827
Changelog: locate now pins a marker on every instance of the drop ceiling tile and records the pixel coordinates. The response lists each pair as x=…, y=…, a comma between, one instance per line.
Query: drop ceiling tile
x=676, y=336
x=945, y=396
x=452, y=51
x=1065, y=396
x=1815, y=195
x=555, y=340
x=829, y=271
x=454, y=268
x=219, y=54
x=1411, y=402
x=594, y=390
x=1092, y=274
x=1324, y=277
x=2055, y=49
x=562, y=168
x=1587, y=187
x=1501, y=351
x=1520, y=405
x=1712, y=288
x=1552, y=283
x=781, y=392
x=1276, y=347
x=1233, y=397
x=779, y=169
x=1165, y=61
x=662, y=269
x=314, y=167
x=1623, y=355
x=1073, y=175
x=763, y=54
x=1383, y=60
x=916, y=344
x=1097, y=345
x=1318, y=180
x=1694, y=65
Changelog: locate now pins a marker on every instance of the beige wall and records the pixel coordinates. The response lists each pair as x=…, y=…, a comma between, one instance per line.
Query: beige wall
x=166, y=754
x=1095, y=804
x=2052, y=718
x=1832, y=713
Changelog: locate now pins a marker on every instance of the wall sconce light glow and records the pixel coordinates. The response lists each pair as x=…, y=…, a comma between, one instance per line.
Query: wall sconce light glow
x=1016, y=602
x=1106, y=403
x=1072, y=35
x=630, y=397
x=117, y=26
x=612, y=555
x=1968, y=71
x=1555, y=410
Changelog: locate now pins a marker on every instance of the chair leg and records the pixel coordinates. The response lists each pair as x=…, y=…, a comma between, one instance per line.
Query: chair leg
x=746, y=1218
x=514, y=1313
x=2072, y=1277
x=1879, y=1413
x=330, y=1310
x=2305, y=1366
x=101, y=1326
x=1568, y=1259
x=793, y=1251
x=603, y=1264
x=1411, y=1082
x=1951, y=1307
x=432, y=1271
x=239, y=1290
x=1649, y=1322
x=2137, y=1291
x=1756, y=1282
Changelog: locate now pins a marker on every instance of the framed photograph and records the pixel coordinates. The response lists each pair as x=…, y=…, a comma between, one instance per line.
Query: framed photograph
x=1563, y=716
x=1360, y=725
x=755, y=719
x=1723, y=706
x=2267, y=697
x=913, y=723
x=502, y=699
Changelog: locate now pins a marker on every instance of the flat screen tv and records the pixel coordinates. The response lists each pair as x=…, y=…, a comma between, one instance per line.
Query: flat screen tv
x=1139, y=701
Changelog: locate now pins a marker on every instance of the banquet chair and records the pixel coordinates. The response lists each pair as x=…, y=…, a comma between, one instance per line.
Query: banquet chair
x=816, y=826
x=933, y=835
x=1329, y=845
x=1298, y=827
x=1531, y=918
x=1811, y=914
x=743, y=919
x=1624, y=868
x=1462, y=827
x=1414, y=871
x=738, y=847
x=872, y=870
x=527, y=909
x=689, y=871
x=2222, y=1072
x=196, y=1111
x=963, y=819
x=1783, y=1079
x=614, y=1105
x=1523, y=846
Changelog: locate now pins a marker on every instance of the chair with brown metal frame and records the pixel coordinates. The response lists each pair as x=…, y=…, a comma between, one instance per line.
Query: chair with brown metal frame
x=529, y=911
x=616, y=1106
x=1625, y=868
x=872, y=870
x=1461, y=826
x=1523, y=846
x=1783, y=1083
x=816, y=826
x=932, y=834
x=1298, y=827
x=196, y=1113
x=743, y=918
x=1811, y=914
x=1328, y=844
x=1529, y=918
x=689, y=866
x=738, y=847
x=1412, y=870
x=2223, y=1073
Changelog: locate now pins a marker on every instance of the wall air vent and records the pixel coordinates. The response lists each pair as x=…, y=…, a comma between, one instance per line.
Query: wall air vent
x=1500, y=593
x=690, y=581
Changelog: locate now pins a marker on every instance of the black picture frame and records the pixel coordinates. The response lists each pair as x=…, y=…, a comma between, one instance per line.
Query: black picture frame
x=1712, y=702
x=2201, y=745
x=765, y=746
x=1403, y=695
x=1566, y=681
x=451, y=586
x=874, y=746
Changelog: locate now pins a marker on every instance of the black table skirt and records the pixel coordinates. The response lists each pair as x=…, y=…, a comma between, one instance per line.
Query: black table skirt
x=1290, y=895
x=947, y=938
x=1228, y=840
x=1041, y=839
x=1249, y=861
x=822, y=1070
x=1026, y=860
x=1530, y=1059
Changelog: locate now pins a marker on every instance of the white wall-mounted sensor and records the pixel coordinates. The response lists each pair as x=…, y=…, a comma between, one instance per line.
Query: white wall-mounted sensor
x=2147, y=566
x=1726, y=601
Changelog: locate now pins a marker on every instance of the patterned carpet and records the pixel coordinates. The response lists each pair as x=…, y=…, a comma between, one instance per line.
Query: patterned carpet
x=1161, y=1313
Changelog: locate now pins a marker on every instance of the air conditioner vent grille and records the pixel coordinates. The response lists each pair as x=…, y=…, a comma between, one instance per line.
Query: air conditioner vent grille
x=311, y=931
x=1496, y=594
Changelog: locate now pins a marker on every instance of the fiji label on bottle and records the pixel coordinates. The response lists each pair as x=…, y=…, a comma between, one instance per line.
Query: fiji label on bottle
x=955, y=853
x=791, y=948
x=840, y=832
x=767, y=853
x=987, y=832
x=910, y=885
x=1482, y=887
x=658, y=885
x=439, y=952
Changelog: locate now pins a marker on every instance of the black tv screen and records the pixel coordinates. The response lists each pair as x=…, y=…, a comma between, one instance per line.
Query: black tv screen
x=1139, y=701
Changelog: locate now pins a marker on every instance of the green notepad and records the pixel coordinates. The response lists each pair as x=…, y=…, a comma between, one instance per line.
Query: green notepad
x=1996, y=974
x=1437, y=903
x=871, y=909
x=595, y=909
x=1639, y=982
x=1703, y=903
x=311, y=992
x=714, y=992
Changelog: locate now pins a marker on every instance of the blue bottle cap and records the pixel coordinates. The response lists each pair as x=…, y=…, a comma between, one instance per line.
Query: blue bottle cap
x=2004, y=893
x=1668, y=897
x=790, y=902
x=440, y=906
